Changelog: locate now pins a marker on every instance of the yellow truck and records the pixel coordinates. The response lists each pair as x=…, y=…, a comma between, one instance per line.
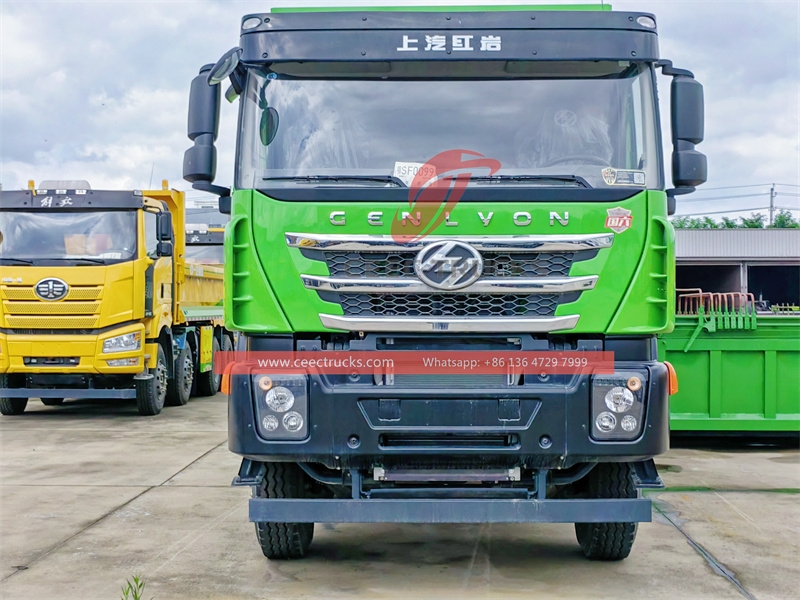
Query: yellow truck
x=204, y=244
x=97, y=299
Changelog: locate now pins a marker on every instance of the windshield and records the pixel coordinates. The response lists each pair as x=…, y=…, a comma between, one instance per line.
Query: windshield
x=205, y=255
x=578, y=124
x=102, y=237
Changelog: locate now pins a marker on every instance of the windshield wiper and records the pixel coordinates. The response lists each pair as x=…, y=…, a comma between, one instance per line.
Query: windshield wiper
x=564, y=179
x=340, y=178
x=94, y=261
x=16, y=261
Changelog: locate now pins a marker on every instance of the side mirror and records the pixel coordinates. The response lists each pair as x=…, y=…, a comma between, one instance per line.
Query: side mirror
x=686, y=99
x=164, y=232
x=225, y=205
x=689, y=167
x=225, y=66
x=164, y=249
x=200, y=161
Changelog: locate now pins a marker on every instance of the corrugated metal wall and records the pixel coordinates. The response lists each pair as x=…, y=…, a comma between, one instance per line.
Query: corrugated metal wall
x=746, y=244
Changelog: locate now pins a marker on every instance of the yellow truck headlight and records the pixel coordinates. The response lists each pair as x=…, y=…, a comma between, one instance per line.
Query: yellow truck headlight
x=123, y=343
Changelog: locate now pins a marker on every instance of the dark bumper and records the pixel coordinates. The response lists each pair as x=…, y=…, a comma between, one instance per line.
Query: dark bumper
x=452, y=425
x=66, y=393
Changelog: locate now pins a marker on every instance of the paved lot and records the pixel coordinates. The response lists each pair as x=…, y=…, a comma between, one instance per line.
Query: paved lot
x=91, y=493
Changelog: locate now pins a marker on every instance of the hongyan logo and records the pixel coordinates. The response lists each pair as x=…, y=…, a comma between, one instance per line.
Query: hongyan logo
x=435, y=190
x=619, y=219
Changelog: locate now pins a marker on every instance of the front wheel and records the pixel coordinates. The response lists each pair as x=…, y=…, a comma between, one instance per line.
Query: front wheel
x=152, y=391
x=283, y=540
x=608, y=541
x=11, y=406
x=179, y=388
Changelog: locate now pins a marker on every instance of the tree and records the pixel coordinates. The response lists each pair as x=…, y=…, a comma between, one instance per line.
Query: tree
x=754, y=221
x=785, y=220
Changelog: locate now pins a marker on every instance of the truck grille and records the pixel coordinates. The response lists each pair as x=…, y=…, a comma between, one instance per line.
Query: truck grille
x=448, y=305
x=495, y=264
x=522, y=281
x=23, y=309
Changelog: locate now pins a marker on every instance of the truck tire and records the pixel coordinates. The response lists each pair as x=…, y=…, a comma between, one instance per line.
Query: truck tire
x=179, y=388
x=151, y=393
x=208, y=382
x=608, y=541
x=11, y=406
x=52, y=401
x=280, y=541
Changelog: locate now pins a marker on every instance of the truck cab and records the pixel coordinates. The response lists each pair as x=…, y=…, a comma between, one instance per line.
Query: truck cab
x=447, y=182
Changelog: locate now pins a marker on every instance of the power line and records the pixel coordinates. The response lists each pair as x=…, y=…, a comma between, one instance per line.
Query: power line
x=721, y=212
x=726, y=197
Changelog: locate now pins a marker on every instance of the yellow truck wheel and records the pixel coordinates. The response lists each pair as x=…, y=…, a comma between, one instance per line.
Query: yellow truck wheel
x=179, y=388
x=11, y=406
x=152, y=391
x=208, y=382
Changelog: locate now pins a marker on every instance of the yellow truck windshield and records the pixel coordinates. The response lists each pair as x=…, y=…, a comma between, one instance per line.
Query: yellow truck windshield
x=103, y=237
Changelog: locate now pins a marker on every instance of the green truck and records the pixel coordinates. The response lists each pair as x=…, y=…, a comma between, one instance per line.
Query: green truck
x=446, y=181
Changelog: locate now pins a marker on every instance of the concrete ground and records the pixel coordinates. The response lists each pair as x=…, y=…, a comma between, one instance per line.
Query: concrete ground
x=92, y=493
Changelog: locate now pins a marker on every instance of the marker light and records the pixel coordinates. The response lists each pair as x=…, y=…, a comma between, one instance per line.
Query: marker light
x=253, y=22
x=628, y=423
x=646, y=22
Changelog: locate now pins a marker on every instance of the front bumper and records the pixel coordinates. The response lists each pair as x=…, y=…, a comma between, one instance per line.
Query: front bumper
x=460, y=427
x=69, y=365
x=21, y=350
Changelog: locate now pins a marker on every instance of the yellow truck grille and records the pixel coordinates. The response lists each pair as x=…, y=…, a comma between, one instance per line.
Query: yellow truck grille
x=27, y=293
x=51, y=308
x=24, y=309
x=36, y=322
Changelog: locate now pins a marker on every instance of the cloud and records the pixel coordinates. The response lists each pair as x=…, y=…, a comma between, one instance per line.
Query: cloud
x=99, y=90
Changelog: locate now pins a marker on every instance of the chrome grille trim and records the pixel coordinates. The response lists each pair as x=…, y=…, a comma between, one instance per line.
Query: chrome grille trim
x=487, y=285
x=518, y=243
x=452, y=324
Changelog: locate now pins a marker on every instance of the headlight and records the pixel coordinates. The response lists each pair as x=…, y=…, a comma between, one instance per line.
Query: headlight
x=281, y=403
x=619, y=399
x=618, y=405
x=280, y=399
x=123, y=343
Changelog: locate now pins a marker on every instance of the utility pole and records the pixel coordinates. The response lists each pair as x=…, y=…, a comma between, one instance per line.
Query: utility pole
x=772, y=204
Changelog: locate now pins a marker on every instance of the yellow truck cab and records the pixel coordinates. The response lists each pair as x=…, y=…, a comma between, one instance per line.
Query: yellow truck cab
x=97, y=299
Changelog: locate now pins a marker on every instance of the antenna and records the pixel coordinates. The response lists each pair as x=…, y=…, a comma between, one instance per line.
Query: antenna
x=150, y=185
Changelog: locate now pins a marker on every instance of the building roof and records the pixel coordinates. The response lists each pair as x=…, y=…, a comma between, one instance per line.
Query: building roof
x=780, y=245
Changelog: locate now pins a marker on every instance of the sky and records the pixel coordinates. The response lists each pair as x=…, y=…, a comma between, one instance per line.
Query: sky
x=99, y=90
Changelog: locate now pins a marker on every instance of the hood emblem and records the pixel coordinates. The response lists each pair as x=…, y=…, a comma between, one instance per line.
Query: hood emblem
x=51, y=289
x=448, y=265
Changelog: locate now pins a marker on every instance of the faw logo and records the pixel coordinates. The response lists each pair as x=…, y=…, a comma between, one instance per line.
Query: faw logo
x=51, y=289
x=619, y=219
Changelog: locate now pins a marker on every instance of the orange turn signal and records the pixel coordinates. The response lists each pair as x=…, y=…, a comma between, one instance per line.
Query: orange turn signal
x=225, y=388
x=672, y=377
